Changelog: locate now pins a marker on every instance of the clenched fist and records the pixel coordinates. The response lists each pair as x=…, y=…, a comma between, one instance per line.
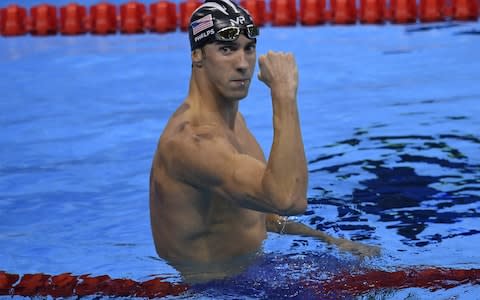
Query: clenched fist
x=279, y=71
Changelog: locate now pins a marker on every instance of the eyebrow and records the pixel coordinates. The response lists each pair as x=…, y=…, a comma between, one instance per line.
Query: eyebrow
x=234, y=43
x=226, y=43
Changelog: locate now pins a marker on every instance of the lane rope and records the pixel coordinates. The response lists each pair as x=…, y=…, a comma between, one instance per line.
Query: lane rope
x=67, y=285
x=163, y=16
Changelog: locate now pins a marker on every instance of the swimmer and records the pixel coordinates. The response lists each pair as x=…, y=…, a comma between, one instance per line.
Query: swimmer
x=213, y=195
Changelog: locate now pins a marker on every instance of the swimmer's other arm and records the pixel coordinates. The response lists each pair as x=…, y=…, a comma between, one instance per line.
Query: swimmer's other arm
x=281, y=225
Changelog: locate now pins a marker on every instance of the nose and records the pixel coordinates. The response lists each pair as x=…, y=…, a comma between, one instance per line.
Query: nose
x=242, y=64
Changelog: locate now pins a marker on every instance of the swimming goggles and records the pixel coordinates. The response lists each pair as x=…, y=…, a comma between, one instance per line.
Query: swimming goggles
x=231, y=33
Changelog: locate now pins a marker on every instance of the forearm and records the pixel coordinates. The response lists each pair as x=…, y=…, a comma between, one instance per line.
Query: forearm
x=285, y=177
x=285, y=226
x=286, y=173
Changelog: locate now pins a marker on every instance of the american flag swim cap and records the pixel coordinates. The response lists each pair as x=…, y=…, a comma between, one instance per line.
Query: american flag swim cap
x=212, y=16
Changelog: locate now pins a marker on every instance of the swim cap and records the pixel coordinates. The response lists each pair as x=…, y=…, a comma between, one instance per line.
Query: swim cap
x=219, y=20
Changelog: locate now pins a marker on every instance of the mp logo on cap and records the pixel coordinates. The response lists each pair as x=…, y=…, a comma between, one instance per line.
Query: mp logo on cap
x=240, y=20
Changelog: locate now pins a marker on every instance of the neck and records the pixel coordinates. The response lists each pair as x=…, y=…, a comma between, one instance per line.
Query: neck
x=208, y=104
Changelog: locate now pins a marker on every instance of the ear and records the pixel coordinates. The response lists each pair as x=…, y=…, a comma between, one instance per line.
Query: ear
x=197, y=58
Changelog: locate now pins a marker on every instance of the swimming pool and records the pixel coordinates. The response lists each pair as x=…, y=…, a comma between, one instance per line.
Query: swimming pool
x=390, y=122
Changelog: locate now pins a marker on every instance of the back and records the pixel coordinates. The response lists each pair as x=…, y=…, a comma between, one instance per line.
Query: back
x=195, y=225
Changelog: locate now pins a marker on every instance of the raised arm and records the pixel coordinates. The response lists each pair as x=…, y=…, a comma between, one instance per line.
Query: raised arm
x=206, y=157
x=286, y=167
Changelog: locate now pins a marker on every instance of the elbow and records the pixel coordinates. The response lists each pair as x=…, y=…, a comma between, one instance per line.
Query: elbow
x=285, y=201
x=299, y=206
x=302, y=206
x=292, y=206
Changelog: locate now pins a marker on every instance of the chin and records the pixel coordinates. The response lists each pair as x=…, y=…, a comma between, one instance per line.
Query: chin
x=237, y=96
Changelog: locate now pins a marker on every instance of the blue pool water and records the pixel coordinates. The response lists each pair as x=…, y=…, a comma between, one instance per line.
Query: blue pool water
x=390, y=119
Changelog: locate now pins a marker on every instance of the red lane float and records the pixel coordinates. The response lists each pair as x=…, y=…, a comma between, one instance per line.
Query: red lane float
x=312, y=12
x=343, y=12
x=257, y=9
x=403, y=11
x=372, y=11
x=14, y=21
x=2, y=16
x=432, y=10
x=163, y=16
x=133, y=17
x=283, y=12
x=73, y=18
x=186, y=10
x=103, y=18
x=465, y=10
x=43, y=20
x=67, y=285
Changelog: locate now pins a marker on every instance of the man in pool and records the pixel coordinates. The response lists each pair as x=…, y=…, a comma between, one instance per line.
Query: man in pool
x=213, y=196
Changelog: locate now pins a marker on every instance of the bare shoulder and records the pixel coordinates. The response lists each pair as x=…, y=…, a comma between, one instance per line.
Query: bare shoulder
x=182, y=129
x=188, y=145
x=184, y=133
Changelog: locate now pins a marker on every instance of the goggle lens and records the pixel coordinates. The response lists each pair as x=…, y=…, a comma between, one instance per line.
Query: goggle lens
x=230, y=34
x=252, y=31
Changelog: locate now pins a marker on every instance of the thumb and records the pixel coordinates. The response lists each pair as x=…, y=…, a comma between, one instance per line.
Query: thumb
x=262, y=79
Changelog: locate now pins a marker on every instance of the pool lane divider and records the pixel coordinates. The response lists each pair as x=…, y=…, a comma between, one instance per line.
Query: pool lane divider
x=162, y=16
x=68, y=285
x=427, y=278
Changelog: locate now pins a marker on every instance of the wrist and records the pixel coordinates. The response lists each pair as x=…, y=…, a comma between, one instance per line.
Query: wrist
x=283, y=91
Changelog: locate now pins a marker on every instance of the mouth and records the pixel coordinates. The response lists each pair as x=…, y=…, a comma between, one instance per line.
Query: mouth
x=241, y=82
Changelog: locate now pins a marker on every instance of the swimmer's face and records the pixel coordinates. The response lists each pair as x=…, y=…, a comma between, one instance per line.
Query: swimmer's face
x=229, y=66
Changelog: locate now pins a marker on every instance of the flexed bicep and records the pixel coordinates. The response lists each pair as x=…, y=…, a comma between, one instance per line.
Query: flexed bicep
x=197, y=159
x=211, y=163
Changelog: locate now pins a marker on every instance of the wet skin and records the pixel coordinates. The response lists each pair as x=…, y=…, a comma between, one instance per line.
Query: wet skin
x=213, y=195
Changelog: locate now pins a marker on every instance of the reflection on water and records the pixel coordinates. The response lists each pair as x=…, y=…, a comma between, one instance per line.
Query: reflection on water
x=400, y=192
x=321, y=276
x=281, y=277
